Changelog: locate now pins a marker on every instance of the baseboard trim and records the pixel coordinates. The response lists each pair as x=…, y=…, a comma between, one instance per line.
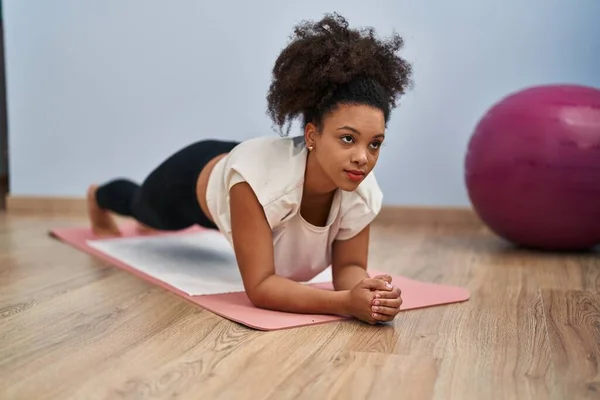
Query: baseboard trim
x=76, y=207
x=427, y=215
x=46, y=206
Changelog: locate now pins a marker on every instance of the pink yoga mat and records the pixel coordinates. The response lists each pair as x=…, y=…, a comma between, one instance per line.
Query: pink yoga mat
x=237, y=307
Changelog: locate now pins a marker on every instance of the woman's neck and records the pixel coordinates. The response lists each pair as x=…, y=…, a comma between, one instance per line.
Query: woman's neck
x=317, y=184
x=317, y=195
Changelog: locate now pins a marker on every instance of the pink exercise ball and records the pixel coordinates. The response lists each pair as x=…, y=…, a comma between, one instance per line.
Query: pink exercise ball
x=532, y=168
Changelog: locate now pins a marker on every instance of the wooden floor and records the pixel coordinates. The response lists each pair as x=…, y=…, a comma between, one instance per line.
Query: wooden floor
x=72, y=326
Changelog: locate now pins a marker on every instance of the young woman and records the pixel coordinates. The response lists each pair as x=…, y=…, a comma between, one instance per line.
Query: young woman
x=290, y=206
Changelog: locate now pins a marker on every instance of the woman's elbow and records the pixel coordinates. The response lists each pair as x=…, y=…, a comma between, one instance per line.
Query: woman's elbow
x=259, y=296
x=256, y=298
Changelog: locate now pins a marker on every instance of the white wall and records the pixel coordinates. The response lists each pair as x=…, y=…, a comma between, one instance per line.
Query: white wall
x=98, y=89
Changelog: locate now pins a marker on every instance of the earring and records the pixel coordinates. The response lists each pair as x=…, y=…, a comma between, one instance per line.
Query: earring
x=310, y=148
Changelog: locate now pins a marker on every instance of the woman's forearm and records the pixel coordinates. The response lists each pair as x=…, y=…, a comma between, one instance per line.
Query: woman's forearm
x=281, y=294
x=347, y=277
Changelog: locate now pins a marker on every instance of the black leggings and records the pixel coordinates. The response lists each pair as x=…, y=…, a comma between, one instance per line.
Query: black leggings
x=167, y=199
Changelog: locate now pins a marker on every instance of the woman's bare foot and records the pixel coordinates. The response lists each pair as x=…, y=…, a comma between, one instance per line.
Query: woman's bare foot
x=103, y=223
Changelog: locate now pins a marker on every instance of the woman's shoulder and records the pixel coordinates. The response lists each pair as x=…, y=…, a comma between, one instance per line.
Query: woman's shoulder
x=282, y=148
x=272, y=166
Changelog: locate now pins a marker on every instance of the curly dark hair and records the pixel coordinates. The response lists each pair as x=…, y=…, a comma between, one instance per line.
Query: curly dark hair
x=327, y=64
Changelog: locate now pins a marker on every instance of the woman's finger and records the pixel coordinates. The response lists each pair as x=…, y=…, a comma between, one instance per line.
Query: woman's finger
x=385, y=277
x=393, y=303
x=392, y=294
x=385, y=310
x=383, y=317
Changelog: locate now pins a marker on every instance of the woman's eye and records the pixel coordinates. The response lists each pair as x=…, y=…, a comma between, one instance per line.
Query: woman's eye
x=347, y=139
x=376, y=145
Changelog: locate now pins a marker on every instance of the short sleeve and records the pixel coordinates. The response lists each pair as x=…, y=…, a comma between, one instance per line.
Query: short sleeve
x=359, y=208
x=259, y=162
x=248, y=162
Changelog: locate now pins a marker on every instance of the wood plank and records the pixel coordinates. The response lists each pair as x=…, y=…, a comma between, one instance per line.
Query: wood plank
x=361, y=375
x=573, y=323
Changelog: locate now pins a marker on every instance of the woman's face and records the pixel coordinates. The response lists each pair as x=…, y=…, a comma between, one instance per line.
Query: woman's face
x=347, y=147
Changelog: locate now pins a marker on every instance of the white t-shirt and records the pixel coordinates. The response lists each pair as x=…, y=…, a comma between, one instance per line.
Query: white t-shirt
x=274, y=167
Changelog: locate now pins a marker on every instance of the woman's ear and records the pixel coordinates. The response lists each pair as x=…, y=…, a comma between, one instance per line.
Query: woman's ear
x=310, y=131
x=310, y=135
